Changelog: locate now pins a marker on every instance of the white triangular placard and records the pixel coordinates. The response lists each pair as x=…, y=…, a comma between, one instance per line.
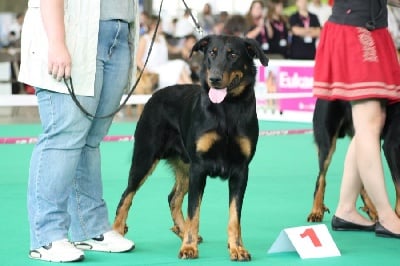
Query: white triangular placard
x=313, y=241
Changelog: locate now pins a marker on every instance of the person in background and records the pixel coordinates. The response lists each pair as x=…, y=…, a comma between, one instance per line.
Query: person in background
x=14, y=31
x=305, y=30
x=13, y=44
x=184, y=25
x=258, y=27
x=92, y=43
x=356, y=61
x=220, y=22
x=170, y=72
x=235, y=25
x=322, y=10
x=279, y=23
x=144, y=21
x=207, y=19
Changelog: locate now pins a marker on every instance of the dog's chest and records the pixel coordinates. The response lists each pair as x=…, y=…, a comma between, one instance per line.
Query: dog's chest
x=216, y=144
x=219, y=153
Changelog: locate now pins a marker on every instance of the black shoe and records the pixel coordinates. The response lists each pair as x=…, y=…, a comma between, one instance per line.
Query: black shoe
x=383, y=232
x=339, y=224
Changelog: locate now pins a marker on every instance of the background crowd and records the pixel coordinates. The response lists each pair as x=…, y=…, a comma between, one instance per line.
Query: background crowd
x=284, y=29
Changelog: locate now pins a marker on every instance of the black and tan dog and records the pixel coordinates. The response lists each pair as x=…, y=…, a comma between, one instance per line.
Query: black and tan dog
x=207, y=130
x=332, y=120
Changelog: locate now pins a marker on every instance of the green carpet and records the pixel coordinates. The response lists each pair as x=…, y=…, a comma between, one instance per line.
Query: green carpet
x=279, y=195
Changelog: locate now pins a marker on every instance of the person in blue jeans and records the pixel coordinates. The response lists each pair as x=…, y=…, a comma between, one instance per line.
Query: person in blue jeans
x=93, y=42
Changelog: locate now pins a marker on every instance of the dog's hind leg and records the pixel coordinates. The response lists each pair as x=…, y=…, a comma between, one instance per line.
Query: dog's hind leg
x=326, y=145
x=237, y=188
x=175, y=198
x=325, y=157
x=138, y=174
x=369, y=207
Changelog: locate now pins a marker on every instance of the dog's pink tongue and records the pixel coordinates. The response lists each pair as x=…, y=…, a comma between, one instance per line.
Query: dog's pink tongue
x=217, y=96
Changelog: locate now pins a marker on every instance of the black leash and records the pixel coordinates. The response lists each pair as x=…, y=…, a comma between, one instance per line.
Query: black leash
x=70, y=86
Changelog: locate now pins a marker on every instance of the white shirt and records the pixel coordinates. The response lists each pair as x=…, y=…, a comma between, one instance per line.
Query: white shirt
x=159, y=52
x=323, y=11
x=184, y=27
x=82, y=26
x=394, y=24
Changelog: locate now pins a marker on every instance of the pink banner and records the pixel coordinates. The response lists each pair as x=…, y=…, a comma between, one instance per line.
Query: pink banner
x=285, y=77
x=296, y=79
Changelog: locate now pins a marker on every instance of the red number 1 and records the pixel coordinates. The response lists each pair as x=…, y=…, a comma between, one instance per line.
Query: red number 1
x=309, y=232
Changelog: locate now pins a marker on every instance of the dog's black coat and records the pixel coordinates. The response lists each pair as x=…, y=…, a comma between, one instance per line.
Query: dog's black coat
x=333, y=120
x=199, y=138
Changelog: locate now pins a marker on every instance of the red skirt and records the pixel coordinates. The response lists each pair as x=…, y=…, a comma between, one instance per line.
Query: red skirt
x=353, y=63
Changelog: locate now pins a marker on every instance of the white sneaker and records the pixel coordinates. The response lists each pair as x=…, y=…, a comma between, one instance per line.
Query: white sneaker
x=57, y=251
x=110, y=241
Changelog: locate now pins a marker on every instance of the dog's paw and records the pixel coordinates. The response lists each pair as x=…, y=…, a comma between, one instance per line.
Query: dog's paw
x=239, y=253
x=317, y=215
x=188, y=252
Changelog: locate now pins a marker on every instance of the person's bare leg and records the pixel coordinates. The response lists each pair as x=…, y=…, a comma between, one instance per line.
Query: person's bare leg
x=369, y=118
x=349, y=190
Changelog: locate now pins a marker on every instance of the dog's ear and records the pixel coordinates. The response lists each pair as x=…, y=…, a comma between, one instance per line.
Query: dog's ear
x=201, y=45
x=255, y=51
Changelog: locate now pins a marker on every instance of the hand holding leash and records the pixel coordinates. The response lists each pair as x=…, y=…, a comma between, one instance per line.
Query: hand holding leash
x=59, y=62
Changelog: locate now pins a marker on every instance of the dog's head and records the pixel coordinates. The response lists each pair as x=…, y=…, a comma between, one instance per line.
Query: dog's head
x=228, y=69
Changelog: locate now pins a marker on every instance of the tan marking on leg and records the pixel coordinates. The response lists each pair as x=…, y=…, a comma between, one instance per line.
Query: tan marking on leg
x=122, y=211
x=190, y=240
x=205, y=142
x=369, y=207
x=318, y=209
x=181, y=188
x=235, y=243
x=122, y=215
x=245, y=145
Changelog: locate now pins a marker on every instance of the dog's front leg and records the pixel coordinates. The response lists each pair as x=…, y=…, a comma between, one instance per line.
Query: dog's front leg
x=190, y=239
x=122, y=212
x=237, y=188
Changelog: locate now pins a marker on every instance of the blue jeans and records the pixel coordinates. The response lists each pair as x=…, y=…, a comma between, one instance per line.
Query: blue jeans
x=65, y=193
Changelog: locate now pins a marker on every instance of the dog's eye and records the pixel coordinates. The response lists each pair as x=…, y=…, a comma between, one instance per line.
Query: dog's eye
x=233, y=55
x=212, y=53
